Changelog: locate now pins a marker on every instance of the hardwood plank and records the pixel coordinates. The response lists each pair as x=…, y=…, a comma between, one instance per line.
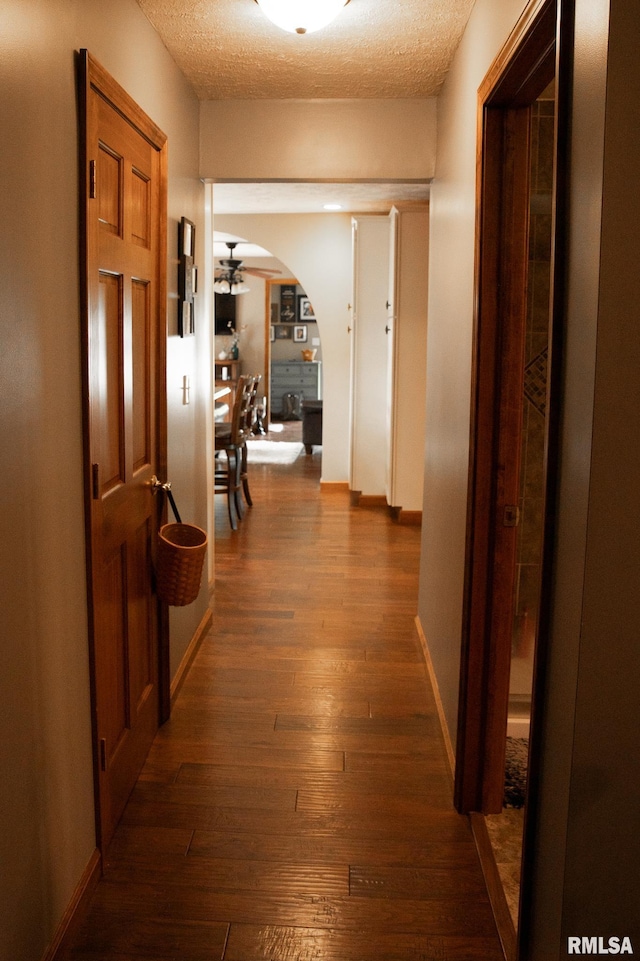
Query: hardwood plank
x=148, y=842
x=409, y=883
x=227, y=652
x=219, y=876
x=196, y=750
x=332, y=849
x=415, y=780
x=370, y=727
x=264, y=943
x=117, y=903
x=213, y=796
x=339, y=663
x=366, y=822
x=154, y=939
x=323, y=703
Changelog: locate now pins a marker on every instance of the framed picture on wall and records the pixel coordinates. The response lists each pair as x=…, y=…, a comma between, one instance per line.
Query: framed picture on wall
x=287, y=303
x=187, y=277
x=305, y=309
x=283, y=332
x=272, y=333
x=300, y=334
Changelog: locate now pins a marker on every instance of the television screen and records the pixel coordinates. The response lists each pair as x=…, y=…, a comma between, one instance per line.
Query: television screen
x=225, y=313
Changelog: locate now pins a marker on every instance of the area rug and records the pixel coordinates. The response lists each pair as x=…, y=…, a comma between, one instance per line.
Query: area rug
x=273, y=452
x=515, y=775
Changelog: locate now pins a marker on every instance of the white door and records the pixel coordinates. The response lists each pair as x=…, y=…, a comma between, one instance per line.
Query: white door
x=407, y=356
x=369, y=355
x=391, y=356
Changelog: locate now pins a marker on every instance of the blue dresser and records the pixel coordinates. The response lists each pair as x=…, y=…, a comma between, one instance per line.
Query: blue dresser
x=297, y=380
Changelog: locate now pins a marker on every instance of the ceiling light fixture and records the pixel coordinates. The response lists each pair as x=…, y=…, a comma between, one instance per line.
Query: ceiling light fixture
x=332, y=206
x=230, y=280
x=301, y=16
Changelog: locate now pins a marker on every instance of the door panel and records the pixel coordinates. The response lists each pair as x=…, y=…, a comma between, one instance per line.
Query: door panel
x=126, y=442
x=141, y=371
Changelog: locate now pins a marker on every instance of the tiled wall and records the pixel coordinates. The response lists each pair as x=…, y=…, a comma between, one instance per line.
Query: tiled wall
x=532, y=471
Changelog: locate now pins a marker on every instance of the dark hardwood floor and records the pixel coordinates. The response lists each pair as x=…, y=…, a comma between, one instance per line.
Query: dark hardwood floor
x=297, y=806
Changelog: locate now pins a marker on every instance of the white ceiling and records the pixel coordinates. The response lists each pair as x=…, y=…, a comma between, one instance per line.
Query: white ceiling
x=228, y=50
x=309, y=198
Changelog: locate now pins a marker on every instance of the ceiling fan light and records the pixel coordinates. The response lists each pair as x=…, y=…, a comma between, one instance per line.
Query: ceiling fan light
x=240, y=288
x=222, y=286
x=301, y=16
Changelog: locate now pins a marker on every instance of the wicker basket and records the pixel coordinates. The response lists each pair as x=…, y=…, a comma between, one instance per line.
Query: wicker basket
x=181, y=553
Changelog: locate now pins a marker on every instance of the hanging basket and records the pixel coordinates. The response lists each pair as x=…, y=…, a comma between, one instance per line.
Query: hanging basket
x=181, y=553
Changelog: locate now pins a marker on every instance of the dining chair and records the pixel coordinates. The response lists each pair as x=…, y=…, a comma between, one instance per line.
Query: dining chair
x=232, y=439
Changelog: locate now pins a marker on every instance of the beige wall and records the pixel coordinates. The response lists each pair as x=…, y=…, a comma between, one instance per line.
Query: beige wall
x=318, y=139
x=46, y=794
x=317, y=249
x=582, y=855
x=451, y=271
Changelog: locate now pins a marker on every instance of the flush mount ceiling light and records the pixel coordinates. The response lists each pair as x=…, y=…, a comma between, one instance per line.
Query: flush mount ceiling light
x=301, y=16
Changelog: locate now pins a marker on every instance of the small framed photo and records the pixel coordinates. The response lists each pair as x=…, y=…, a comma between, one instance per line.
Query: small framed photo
x=300, y=334
x=187, y=277
x=283, y=332
x=305, y=309
x=272, y=335
x=186, y=238
x=287, y=303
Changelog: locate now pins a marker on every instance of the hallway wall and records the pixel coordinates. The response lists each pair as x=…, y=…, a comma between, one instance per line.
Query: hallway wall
x=317, y=250
x=449, y=346
x=322, y=140
x=46, y=786
x=582, y=851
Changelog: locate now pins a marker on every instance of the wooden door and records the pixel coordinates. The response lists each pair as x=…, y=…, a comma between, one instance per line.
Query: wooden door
x=125, y=433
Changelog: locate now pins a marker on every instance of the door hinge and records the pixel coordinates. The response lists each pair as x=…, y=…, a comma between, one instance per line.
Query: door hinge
x=103, y=754
x=92, y=180
x=95, y=481
x=511, y=516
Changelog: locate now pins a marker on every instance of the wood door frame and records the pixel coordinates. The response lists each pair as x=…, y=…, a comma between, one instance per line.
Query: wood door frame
x=522, y=69
x=90, y=75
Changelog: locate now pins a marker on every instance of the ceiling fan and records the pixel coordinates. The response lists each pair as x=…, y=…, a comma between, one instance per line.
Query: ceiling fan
x=230, y=279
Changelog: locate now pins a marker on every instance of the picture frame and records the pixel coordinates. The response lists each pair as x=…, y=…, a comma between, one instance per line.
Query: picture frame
x=287, y=303
x=282, y=332
x=306, y=312
x=300, y=334
x=272, y=333
x=186, y=237
x=187, y=277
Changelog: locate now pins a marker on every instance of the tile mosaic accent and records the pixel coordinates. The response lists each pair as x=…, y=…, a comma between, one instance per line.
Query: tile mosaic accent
x=535, y=381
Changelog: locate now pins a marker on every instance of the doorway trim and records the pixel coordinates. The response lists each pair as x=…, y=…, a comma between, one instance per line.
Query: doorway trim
x=525, y=65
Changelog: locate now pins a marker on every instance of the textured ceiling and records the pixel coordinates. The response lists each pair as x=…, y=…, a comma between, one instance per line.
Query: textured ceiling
x=309, y=198
x=228, y=50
